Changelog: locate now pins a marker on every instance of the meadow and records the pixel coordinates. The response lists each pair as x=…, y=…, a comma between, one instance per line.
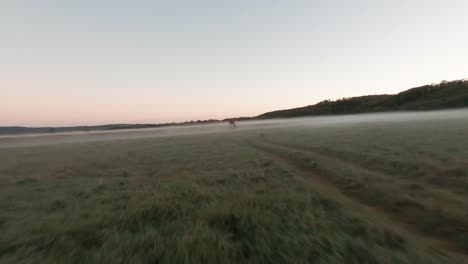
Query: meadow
x=366, y=190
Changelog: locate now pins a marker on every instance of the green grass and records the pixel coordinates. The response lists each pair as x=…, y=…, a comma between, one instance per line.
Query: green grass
x=367, y=193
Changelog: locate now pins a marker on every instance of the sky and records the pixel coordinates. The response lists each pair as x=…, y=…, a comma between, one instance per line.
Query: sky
x=86, y=62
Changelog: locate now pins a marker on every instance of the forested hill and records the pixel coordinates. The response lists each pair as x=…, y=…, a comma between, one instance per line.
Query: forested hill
x=445, y=95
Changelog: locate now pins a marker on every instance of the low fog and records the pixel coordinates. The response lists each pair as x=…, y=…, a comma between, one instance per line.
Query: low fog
x=318, y=121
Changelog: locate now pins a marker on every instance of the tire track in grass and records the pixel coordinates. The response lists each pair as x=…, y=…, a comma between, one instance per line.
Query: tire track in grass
x=324, y=187
x=437, y=222
x=358, y=166
x=447, y=194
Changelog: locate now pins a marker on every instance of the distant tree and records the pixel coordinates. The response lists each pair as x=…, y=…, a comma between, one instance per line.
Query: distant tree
x=52, y=130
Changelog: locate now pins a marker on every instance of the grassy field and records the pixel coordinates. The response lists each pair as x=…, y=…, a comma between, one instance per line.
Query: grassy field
x=362, y=192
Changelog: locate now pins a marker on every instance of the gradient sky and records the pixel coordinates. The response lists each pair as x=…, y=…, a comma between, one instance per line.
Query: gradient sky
x=97, y=61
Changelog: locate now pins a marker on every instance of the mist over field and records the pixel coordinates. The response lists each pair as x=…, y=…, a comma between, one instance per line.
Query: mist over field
x=320, y=121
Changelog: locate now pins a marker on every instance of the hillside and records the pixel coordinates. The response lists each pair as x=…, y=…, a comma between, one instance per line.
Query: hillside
x=38, y=130
x=13, y=130
x=445, y=95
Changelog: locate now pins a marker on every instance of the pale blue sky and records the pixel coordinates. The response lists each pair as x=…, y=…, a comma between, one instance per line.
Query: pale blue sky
x=90, y=62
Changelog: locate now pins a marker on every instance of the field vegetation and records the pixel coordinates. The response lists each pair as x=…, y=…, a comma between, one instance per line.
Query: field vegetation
x=373, y=192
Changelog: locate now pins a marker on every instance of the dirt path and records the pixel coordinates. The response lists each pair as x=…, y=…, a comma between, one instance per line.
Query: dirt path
x=446, y=194
x=373, y=214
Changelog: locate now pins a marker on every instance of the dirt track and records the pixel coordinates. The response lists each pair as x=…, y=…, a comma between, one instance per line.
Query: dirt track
x=318, y=178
